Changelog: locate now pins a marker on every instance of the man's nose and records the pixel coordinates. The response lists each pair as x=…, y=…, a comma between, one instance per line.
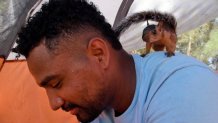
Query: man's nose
x=55, y=101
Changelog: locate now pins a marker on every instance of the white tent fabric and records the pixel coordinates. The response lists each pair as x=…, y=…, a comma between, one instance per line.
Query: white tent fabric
x=109, y=8
x=189, y=14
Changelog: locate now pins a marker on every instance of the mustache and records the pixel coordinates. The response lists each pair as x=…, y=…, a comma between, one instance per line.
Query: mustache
x=68, y=106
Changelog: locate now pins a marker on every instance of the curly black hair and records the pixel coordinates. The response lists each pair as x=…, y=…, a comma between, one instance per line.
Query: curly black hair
x=62, y=16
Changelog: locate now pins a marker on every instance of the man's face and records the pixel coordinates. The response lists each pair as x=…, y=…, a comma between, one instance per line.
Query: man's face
x=73, y=82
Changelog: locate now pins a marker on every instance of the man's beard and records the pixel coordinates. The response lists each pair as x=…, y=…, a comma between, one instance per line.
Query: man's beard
x=85, y=115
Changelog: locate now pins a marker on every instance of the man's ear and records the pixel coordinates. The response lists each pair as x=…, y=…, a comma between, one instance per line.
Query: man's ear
x=99, y=50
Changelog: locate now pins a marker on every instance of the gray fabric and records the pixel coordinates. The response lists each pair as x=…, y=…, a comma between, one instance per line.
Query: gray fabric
x=122, y=12
x=12, y=16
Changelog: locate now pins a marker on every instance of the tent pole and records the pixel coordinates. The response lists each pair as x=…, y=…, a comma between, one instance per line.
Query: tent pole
x=122, y=12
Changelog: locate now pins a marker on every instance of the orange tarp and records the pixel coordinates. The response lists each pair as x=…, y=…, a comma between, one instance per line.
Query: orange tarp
x=22, y=101
x=1, y=62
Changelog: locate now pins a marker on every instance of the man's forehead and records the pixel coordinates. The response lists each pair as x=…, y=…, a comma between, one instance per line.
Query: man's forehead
x=38, y=53
x=43, y=62
x=38, y=60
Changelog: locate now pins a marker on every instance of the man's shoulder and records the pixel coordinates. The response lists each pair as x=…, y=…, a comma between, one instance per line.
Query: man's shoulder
x=157, y=60
x=169, y=82
x=156, y=69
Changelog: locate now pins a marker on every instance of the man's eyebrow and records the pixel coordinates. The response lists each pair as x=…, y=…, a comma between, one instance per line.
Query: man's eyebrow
x=46, y=80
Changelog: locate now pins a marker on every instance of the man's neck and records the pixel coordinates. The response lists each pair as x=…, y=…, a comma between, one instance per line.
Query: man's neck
x=126, y=85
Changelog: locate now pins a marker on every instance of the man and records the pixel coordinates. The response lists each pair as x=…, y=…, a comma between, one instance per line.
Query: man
x=74, y=54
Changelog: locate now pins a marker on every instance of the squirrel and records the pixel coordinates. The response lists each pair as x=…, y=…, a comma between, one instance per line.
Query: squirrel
x=160, y=36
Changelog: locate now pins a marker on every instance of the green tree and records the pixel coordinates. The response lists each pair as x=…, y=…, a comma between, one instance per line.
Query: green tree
x=192, y=42
x=3, y=6
x=211, y=47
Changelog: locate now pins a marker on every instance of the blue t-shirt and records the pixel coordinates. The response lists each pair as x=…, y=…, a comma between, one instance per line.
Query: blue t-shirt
x=177, y=89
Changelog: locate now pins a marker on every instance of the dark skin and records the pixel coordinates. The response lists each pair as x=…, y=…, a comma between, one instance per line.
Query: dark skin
x=84, y=77
x=159, y=38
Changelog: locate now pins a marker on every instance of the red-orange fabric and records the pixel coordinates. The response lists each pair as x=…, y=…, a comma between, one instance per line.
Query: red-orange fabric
x=1, y=63
x=22, y=101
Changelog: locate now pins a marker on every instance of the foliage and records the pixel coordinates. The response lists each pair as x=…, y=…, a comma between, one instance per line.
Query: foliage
x=211, y=48
x=3, y=5
x=192, y=42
